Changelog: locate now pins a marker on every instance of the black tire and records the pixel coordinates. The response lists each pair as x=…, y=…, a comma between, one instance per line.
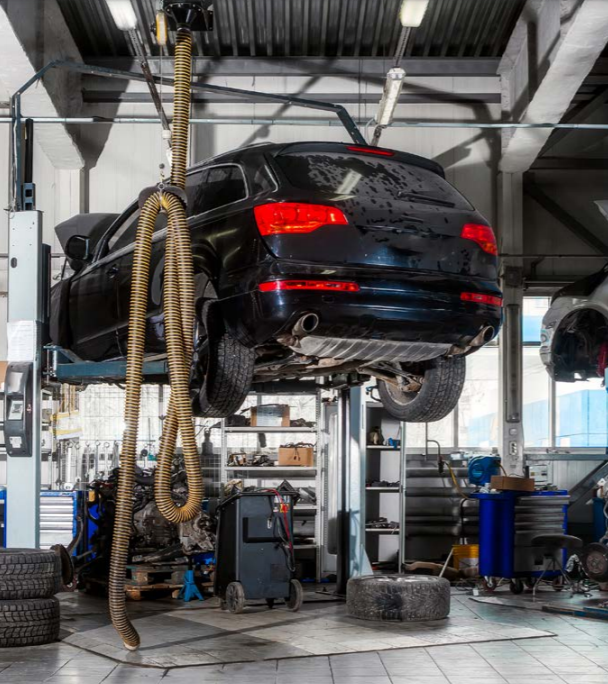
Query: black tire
x=594, y=558
x=29, y=574
x=296, y=596
x=222, y=373
x=438, y=396
x=29, y=622
x=406, y=598
x=516, y=586
x=235, y=598
x=270, y=603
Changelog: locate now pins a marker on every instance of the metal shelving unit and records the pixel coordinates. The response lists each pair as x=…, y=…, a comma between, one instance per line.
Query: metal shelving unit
x=389, y=464
x=262, y=474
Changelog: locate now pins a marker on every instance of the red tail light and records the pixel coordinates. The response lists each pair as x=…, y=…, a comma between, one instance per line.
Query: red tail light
x=295, y=217
x=370, y=150
x=323, y=285
x=479, y=298
x=482, y=235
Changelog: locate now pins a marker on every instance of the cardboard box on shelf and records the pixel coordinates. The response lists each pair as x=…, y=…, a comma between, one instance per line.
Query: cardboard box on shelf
x=512, y=484
x=271, y=415
x=296, y=455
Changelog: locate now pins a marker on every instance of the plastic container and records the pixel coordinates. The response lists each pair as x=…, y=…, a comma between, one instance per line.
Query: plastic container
x=466, y=557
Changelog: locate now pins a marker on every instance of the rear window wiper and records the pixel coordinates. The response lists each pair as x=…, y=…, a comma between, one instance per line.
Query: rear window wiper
x=428, y=199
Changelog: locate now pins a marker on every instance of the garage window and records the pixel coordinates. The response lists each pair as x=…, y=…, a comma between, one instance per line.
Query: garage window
x=557, y=414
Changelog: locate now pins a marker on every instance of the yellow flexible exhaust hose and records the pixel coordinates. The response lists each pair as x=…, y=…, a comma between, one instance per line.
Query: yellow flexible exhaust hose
x=178, y=307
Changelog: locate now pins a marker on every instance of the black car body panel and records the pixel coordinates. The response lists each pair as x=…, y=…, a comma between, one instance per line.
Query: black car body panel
x=405, y=254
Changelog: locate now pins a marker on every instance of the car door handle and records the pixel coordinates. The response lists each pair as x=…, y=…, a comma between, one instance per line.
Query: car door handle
x=112, y=271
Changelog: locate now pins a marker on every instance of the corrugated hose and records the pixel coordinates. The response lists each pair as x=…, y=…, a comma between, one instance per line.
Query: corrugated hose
x=179, y=313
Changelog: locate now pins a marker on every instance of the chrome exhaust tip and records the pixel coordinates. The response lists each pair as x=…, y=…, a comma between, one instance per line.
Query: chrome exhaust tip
x=483, y=336
x=306, y=325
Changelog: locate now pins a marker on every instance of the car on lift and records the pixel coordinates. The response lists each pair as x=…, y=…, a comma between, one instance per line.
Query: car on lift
x=574, y=331
x=311, y=259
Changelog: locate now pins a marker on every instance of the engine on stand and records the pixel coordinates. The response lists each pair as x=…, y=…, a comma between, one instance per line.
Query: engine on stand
x=157, y=546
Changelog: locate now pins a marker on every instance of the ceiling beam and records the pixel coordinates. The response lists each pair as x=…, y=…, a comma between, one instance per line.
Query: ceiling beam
x=116, y=96
x=25, y=25
x=579, y=114
x=312, y=66
x=570, y=164
x=566, y=219
x=548, y=57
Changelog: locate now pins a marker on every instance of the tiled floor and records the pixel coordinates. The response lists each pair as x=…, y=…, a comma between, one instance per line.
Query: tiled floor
x=205, y=635
x=577, y=654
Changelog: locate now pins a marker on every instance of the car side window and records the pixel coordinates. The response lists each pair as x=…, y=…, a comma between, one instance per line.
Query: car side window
x=216, y=187
x=124, y=234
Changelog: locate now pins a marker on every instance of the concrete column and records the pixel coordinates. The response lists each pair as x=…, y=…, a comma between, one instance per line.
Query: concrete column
x=511, y=352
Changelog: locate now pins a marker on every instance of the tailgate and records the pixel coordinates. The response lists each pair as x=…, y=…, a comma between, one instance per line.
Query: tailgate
x=399, y=215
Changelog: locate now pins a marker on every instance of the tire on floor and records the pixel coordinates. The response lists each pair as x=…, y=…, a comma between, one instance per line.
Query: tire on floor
x=29, y=573
x=29, y=622
x=404, y=598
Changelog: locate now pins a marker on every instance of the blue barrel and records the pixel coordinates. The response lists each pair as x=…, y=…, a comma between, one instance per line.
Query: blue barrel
x=496, y=533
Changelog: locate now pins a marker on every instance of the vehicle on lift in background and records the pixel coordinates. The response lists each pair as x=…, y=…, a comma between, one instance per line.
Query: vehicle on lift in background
x=311, y=259
x=574, y=333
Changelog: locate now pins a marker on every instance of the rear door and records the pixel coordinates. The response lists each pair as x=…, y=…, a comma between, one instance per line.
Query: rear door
x=400, y=215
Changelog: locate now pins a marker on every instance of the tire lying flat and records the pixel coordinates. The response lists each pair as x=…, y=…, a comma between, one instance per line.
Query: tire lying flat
x=29, y=622
x=403, y=598
x=29, y=574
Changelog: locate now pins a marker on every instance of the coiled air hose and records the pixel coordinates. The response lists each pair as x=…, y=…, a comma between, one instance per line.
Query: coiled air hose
x=179, y=312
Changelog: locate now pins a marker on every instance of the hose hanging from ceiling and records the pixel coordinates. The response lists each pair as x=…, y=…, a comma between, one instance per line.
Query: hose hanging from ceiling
x=179, y=313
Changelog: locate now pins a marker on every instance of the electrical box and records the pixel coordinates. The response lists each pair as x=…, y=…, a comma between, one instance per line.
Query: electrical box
x=18, y=409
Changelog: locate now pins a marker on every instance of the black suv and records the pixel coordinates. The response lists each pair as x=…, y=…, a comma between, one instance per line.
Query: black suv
x=311, y=259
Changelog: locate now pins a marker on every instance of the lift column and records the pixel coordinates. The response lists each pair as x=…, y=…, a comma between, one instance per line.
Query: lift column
x=28, y=285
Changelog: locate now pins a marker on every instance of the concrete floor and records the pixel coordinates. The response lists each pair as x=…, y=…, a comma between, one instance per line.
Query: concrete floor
x=576, y=654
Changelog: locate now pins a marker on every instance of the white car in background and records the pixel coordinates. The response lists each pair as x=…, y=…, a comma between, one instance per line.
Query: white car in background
x=574, y=333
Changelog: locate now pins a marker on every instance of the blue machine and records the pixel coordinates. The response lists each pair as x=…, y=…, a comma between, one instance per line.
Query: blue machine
x=482, y=468
x=508, y=521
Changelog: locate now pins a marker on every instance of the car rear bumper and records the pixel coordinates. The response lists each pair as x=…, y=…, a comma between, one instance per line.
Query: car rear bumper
x=398, y=307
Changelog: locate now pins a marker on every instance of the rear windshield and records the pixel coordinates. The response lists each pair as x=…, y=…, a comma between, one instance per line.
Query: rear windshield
x=373, y=177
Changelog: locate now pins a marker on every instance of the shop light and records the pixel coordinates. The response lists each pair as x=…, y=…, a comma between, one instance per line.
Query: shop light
x=412, y=12
x=390, y=96
x=123, y=14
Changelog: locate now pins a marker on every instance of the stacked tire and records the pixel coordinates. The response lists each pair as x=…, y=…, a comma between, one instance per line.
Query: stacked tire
x=29, y=612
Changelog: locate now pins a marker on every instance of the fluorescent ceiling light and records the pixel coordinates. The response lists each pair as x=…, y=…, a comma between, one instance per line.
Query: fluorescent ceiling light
x=390, y=96
x=123, y=14
x=412, y=12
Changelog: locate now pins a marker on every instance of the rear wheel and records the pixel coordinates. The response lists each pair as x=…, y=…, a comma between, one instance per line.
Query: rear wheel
x=296, y=596
x=437, y=397
x=222, y=372
x=235, y=597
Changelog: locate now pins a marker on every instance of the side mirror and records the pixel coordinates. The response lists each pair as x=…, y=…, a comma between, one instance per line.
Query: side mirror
x=78, y=248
